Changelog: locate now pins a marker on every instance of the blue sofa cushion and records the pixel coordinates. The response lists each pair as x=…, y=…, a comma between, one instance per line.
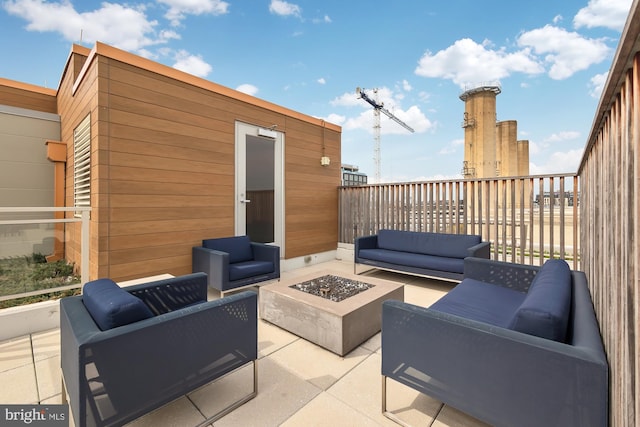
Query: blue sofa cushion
x=111, y=306
x=445, y=245
x=410, y=259
x=545, y=311
x=242, y=270
x=238, y=247
x=481, y=301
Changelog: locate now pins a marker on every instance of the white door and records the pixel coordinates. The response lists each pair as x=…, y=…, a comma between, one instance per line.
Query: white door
x=260, y=184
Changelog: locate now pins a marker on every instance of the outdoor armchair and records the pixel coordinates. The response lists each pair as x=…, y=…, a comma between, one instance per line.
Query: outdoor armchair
x=127, y=351
x=235, y=262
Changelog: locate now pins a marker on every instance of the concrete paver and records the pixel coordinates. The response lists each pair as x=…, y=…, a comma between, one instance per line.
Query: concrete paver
x=299, y=383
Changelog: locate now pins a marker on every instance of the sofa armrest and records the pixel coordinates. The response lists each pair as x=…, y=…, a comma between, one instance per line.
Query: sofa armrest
x=214, y=263
x=137, y=367
x=500, y=376
x=264, y=252
x=506, y=274
x=481, y=250
x=163, y=296
x=365, y=242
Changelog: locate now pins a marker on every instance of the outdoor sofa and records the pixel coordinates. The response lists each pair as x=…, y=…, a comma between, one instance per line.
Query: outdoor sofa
x=511, y=345
x=438, y=255
x=126, y=351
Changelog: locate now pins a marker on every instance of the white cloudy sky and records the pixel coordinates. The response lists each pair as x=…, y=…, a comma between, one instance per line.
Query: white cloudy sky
x=550, y=58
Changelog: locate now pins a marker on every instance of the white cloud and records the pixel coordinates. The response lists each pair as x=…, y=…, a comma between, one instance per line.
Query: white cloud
x=324, y=20
x=562, y=136
x=283, y=8
x=321, y=81
x=335, y=118
x=596, y=84
x=179, y=8
x=468, y=63
x=192, y=64
x=558, y=162
x=406, y=86
x=452, y=147
x=119, y=25
x=348, y=99
x=566, y=52
x=247, y=88
x=603, y=13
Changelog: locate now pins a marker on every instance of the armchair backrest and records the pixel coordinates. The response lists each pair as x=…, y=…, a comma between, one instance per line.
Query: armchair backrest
x=238, y=247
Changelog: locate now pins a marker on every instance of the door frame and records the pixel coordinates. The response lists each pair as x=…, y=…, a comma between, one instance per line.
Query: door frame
x=242, y=129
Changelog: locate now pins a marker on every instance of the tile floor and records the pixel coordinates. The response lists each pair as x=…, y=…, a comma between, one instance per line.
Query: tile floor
x=299, y=383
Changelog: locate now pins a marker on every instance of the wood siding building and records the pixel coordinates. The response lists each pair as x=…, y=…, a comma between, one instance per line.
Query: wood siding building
x=164, y=163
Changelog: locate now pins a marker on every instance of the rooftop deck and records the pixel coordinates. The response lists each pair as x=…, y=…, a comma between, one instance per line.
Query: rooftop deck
x=299, y=383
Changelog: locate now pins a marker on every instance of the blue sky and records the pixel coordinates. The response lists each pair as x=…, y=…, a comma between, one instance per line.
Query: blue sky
x=550, y=58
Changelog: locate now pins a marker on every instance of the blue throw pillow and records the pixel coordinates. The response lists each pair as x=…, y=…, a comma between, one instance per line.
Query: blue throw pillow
x=546, y=308
x=238, y=247
x=111, y=306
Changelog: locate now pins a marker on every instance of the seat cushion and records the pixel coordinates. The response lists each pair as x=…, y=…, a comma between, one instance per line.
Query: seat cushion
x=545, y=311
x=409, y=259
x=481, y=301
x=111, y=306
x=238, y=247
x=243, y=270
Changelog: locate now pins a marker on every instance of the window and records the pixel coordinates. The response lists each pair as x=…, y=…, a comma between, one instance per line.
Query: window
x=82, y=164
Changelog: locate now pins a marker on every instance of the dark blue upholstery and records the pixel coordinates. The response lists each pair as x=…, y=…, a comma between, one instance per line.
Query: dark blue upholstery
x=235, y=262
x=415, y=260
x=243, y=270
x=111, y=306
x=501, y=376
x=481, y=301
x=545, y=311
x=422, y=253
x=238, y=247
x=439, y=244
x=115, y=376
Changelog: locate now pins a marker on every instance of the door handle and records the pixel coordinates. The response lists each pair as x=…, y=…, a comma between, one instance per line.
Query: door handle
x=245, y=201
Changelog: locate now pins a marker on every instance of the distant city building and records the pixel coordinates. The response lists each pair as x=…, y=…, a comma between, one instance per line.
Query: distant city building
x=351, y=176
x=548, y=198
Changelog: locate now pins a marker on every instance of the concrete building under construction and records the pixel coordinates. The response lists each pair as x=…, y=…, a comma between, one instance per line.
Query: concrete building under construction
x=491, y=148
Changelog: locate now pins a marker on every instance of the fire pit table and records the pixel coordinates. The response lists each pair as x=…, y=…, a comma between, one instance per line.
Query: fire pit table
x=337, y=312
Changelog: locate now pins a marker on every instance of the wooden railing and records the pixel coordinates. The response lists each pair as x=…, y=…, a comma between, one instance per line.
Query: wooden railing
x=610, y=231
x=526, y=219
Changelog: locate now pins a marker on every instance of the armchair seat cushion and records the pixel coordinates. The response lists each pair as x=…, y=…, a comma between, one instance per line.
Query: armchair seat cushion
x=243, y=270
x=111, y=306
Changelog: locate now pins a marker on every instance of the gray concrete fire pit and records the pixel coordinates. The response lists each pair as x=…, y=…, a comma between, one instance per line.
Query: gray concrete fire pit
x=339, y=326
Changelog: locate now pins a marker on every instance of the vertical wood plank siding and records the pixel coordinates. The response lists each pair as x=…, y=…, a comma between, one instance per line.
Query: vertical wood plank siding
x=163, y=165
x=504, y=211
x=609, y=222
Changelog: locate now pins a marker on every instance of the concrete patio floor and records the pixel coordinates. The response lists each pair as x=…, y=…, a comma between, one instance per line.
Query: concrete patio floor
x=299, y=383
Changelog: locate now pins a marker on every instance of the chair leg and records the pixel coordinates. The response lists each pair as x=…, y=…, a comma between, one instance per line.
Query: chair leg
x=239, y=402
x=386, y=413
x=63, y=391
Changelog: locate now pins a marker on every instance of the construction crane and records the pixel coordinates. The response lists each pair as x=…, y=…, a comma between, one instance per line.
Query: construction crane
x=378, y=107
